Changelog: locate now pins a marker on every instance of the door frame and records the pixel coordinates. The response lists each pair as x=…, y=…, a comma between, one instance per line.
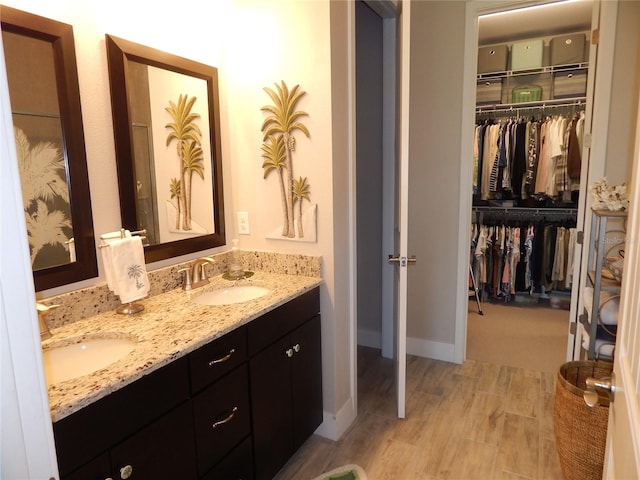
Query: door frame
x=595, y=167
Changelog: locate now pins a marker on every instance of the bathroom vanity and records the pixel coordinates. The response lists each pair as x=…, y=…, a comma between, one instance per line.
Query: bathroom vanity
x=234, y=401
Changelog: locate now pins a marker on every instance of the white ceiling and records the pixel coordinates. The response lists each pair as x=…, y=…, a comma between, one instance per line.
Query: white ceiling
x=539, y=21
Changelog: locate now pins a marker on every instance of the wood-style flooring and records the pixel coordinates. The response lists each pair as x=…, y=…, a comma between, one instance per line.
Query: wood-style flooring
x=473, y=421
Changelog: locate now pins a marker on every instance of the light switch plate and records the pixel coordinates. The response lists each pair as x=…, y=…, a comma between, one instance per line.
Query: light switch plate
x=243, y=223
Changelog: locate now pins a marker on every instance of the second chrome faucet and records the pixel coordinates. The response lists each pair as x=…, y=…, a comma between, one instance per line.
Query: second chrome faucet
x=195, y=275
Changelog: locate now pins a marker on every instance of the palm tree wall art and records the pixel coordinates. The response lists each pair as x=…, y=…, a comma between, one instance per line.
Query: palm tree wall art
x=278, y=128
x=187, y=136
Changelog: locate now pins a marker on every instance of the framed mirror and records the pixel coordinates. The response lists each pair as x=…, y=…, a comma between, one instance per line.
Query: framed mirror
x=45, y=104
x=166, y=123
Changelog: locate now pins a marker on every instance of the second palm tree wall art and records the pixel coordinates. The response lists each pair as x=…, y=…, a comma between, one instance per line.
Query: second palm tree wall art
x=278, y=147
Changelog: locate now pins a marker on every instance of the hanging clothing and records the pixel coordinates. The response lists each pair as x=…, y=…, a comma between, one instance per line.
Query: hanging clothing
x=518, y=159
x=509, y=258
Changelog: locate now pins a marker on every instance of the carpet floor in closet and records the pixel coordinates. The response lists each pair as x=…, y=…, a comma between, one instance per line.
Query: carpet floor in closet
x=533, y=338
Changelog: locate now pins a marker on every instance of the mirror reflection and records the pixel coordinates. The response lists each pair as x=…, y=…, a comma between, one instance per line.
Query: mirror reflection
x=45, y=103
x=166, y=126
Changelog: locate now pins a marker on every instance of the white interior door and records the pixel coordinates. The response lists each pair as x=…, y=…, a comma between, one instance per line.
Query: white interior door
x=622, y=458
x=402, y=203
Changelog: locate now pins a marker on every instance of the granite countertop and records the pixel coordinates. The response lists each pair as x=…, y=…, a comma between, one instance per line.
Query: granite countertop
x=170, y=327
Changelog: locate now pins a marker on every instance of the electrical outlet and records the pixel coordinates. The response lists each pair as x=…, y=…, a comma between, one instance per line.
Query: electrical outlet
x=243, y=223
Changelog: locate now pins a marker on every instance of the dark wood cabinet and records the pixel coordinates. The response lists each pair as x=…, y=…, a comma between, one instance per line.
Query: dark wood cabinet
x=286, y=386
x=95, y=429
x=306, y=381
x=235, y=409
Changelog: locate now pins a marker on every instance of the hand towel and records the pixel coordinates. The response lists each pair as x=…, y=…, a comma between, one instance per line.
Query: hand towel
x=125, y=268
x=107, y=261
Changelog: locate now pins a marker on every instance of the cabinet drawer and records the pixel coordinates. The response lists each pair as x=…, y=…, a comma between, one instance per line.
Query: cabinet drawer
x=222, y=417
x=237, y=465
x=164, y=449
x=219, y=357
x=95, y=428
x=277, y=323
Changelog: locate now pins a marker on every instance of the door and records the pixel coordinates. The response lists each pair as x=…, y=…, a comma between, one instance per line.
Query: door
x=401, y=260
x=622, y=457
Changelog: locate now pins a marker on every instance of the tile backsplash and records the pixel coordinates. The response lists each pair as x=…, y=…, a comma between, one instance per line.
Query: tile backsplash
x=87, y=302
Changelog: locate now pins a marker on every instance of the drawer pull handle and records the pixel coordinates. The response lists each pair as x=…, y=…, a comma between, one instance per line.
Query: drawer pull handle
x=227, y=419
x=296, y=347
x=289, y=352
x=222, y=359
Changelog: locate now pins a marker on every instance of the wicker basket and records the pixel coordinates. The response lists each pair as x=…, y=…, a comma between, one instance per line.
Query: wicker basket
x=581, y=431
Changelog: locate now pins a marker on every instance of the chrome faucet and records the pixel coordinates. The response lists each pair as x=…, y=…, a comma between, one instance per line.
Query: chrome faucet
x=195, y=275
x=42, y=311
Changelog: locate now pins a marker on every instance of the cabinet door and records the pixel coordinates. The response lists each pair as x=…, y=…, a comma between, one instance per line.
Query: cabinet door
x=306, y=379
x=270, y=378
x=97, y=469
x=237, y=465
x=165, y=449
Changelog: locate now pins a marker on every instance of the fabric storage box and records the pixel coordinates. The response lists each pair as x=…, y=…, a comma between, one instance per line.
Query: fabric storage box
x=530, y=93
x=492, y=59
x=566, y=49
x=527, y=55
x=572, y=83
x=489, y=91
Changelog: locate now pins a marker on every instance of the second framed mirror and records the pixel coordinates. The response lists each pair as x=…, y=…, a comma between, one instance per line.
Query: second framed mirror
x=167, y=135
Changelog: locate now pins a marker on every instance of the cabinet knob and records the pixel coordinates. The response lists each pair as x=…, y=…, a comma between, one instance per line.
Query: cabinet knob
x=223, y=358
x=126, y=472
x=289, y=352
x=296, y=347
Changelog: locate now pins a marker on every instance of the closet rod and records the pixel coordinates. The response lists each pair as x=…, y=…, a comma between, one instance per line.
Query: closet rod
x=515, y=109
x=527, y=210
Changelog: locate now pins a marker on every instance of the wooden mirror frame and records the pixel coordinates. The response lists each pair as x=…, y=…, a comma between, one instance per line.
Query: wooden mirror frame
x=119, y=52
x=60, y=35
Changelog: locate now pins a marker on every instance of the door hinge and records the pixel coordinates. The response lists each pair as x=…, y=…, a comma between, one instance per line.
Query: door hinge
x=580, y=237
x=595, y=36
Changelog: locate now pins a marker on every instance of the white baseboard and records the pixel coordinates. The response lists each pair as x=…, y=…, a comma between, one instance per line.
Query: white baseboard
x=369, y=338
x=430, y=349
x=415, y=346
x=333, y=426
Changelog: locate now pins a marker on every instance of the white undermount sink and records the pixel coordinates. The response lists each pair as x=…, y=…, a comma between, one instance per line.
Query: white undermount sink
x=86, y=356
x=228, y=296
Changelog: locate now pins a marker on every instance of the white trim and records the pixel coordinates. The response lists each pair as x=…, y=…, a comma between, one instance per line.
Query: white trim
x=334, y=426
x=389, y=161
x=28, y=449
x=430, y=349
x=353, y=240
x=602, y=70
x=597, y=128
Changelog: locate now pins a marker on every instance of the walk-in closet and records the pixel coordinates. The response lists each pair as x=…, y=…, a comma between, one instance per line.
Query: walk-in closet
x=527, y=181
